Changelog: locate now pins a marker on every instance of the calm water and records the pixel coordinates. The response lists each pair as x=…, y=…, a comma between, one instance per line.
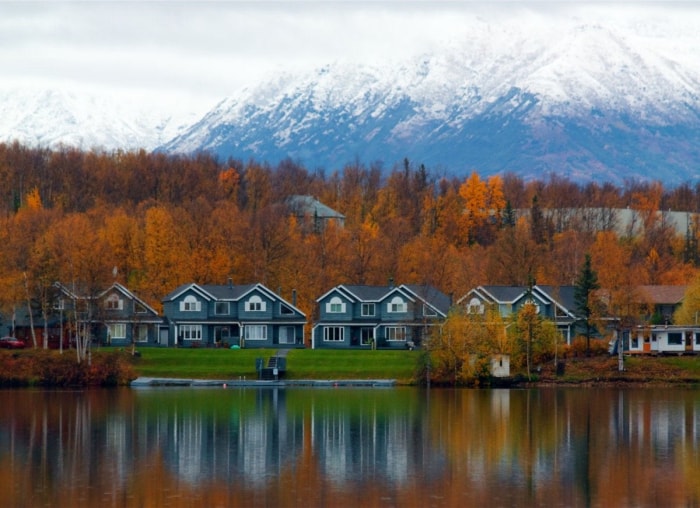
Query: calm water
x=350, y=447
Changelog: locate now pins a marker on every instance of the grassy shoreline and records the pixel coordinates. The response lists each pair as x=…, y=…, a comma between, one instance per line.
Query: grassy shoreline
x=48, y=368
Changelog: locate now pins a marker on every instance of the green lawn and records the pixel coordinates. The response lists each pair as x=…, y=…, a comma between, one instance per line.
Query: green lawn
x=301, y=363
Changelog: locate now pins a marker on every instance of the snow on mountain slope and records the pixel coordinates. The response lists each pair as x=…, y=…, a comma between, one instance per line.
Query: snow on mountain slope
x=589, y=97
x=583, y=99
x=53, y=118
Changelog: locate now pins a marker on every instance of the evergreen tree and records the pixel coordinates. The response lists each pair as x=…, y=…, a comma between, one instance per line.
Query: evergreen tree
x=586, y=284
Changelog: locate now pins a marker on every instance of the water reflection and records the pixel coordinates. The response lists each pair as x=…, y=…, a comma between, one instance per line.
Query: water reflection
x=350, y=447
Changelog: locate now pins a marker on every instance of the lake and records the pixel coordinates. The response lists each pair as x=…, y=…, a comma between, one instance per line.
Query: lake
x=350, y=447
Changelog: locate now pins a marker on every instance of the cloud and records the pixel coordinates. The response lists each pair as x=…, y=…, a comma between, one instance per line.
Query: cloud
x=195, y=53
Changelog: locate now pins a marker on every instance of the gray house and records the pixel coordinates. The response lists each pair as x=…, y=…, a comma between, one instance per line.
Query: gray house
x=555, y=303
x=248, y=315
x=364, y=317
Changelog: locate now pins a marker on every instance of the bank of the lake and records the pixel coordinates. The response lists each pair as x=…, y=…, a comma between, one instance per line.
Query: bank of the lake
x=111, y=366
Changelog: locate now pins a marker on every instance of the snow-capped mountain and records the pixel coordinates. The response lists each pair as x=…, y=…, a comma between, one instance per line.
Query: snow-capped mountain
x=55, y=118
x=582, y=98
x=584, y=101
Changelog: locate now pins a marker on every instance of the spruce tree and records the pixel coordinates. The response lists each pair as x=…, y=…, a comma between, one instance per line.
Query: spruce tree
x=586, y=284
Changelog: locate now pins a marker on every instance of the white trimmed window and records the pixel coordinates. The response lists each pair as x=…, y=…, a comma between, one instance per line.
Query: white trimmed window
x=255, y=332
x=113, y=302
x=191, y=332
x=533, y=302
x=190, y=304
x=428, y=310
x=255, y=304
x=334, y=334
x=117, y=330
x=475, y=306
x=335, y=306
x=396, y=304
x=368, y=309
x=139, y=308
x=396, y=333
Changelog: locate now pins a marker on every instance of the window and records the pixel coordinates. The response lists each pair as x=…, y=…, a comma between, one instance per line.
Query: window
x=141, y=333
x=429, y=311
x=191, y=332
x=368, y=309
x=190, y=304
x=366, y=336
x=675, y=339
x=334, y=334
x=697, y=338
x=256, y=332
x=286, y=310
x=335, y=305
x=396, y=333
x=255, y=304
x=116, y=330
x=139, y=308
x=221, y=308
x=396, y=305
x=113, y=302
x=287, y=335
x=532, y=302
x=475, y=306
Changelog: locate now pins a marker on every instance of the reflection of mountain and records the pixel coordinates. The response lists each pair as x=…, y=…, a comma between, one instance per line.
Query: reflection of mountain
x=348, y=447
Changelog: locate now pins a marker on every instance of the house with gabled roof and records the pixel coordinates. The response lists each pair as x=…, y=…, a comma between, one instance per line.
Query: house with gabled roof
x=242, y=315
x=313, y=214
x=114, y=317
x=660, y=302
x=366, y=317
x=556, y=303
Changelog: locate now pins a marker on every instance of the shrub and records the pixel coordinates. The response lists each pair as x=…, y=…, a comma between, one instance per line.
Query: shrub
x=598, y=347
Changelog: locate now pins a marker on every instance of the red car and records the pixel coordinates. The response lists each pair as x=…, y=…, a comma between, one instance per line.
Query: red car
x=11, y=343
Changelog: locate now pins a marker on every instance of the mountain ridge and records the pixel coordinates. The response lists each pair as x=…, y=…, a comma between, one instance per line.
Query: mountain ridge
x=587, y=101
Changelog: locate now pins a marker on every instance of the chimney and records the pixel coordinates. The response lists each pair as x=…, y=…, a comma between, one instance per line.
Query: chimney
x=294, y=297
x=391, y=282
x=230, y=282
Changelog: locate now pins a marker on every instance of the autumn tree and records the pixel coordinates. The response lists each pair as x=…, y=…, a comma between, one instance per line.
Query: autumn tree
x=689, y=311
x=460, y=350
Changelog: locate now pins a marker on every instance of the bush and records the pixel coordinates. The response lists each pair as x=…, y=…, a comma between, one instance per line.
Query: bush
x=52, y=369
x=598, y=347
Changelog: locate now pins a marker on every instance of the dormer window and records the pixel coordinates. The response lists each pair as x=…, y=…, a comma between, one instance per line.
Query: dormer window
x=397, y=305
x=255, y=304
x=190, y=304
x=335, y=306
x=113, y=302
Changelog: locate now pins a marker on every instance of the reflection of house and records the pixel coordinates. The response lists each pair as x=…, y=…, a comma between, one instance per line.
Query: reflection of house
x=383, y=316
x=213, y=315
x=313, y=214
x=555, y=303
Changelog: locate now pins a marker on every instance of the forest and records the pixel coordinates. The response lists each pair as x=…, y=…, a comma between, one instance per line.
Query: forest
x=153, y=221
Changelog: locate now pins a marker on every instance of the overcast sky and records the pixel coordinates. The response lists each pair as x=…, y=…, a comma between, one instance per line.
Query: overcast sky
x=189, y=55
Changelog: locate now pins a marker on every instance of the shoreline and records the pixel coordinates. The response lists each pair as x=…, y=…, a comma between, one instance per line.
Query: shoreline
x=153, y=382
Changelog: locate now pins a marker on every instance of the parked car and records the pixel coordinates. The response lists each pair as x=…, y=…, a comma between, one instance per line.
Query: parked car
x=11, y=343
